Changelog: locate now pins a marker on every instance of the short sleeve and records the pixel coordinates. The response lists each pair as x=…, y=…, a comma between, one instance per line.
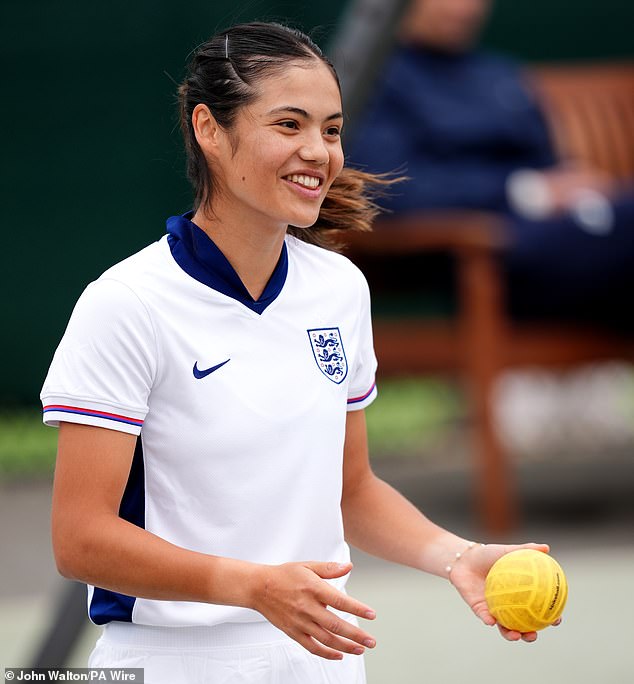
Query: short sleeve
x=104, y=367
x=362, y=388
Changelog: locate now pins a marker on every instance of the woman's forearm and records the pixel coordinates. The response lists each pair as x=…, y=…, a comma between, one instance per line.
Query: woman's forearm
x=381, y=521
x=114, y=554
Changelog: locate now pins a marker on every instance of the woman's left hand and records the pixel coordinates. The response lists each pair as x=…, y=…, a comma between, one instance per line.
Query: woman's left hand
x=469, y=573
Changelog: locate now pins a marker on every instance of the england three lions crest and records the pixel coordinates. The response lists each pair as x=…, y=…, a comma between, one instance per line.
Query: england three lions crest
x=329, y=353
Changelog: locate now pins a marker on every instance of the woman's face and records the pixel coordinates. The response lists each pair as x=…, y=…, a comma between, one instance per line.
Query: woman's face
x=284, y=151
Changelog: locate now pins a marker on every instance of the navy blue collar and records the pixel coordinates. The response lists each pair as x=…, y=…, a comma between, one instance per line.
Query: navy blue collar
x=196, y=253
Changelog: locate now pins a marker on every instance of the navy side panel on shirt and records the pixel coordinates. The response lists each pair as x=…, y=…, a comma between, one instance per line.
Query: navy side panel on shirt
x=107, y=605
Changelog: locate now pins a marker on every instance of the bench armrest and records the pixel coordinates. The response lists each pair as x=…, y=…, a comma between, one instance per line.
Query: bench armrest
x=454, y=231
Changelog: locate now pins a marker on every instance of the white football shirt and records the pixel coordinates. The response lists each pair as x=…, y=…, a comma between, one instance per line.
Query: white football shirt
x=240, y=406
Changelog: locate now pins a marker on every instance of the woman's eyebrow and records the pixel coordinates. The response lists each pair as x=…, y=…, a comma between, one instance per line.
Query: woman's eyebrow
x=303, y=113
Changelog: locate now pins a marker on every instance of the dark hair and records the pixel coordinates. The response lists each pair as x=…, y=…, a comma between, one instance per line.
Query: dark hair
x=223, y=74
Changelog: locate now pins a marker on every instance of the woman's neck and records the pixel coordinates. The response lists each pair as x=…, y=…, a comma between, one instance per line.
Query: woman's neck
x=252, y=253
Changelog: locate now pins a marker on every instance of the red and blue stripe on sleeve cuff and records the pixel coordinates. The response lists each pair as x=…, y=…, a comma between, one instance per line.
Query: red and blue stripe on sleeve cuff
x=363, y=397
x=77, y=410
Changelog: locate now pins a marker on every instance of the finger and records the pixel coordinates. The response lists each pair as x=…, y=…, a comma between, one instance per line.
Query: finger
x=314, y=647
x=544, y=548
x=509, y=634
x=514, y=635
x=334, y=625
x=484, y=615
x=337, y=599
x=329, y=570
x=557, y=622
x=338, y=643
x=346, y=604
x=481, y=611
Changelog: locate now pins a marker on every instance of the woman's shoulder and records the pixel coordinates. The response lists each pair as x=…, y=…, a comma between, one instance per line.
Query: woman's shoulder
x=149, y=259
x=123, y=287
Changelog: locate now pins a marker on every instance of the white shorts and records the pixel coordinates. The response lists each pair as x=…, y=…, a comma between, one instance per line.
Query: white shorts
x=249, y=653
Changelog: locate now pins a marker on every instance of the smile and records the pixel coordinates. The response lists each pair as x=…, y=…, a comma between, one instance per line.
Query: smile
x=310, y=182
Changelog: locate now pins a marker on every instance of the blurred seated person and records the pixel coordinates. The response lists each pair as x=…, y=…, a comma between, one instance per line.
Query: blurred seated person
x=464, y=126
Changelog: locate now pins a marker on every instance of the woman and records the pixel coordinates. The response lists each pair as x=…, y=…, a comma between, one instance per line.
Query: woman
x=213, y=544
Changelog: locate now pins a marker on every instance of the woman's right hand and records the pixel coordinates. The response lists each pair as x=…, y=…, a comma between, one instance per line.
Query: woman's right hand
x=295, y=598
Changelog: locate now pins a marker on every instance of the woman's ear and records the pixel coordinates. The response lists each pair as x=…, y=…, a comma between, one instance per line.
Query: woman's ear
x=206, y=129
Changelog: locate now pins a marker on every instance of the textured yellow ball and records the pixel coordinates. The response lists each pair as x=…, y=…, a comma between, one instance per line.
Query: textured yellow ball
x=526, y=590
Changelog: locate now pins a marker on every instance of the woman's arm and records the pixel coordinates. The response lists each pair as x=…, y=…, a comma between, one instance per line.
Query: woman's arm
x=93, y=544
x=380, y=521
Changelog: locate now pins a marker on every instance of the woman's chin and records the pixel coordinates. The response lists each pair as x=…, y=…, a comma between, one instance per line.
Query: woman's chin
x=303, y=223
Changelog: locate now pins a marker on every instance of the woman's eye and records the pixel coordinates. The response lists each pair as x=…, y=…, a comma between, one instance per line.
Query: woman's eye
x=333, y=131
x=289, y=124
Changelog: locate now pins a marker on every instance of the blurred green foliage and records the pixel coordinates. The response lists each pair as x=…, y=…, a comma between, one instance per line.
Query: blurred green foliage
x=409, y=414
x=27, y=446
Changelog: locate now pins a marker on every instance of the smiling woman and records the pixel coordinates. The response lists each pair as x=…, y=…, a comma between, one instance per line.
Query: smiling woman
x=210, y=392
x=286, y=58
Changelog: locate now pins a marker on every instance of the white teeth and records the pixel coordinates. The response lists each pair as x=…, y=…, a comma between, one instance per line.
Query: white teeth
x=307, y=181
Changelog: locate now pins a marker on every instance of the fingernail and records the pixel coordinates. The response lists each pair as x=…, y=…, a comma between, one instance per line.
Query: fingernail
x=358, y=651
x=370, y=643
x=370, y=614
x=342, y=566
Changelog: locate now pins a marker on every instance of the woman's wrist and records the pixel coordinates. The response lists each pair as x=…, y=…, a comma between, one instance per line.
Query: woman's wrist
x=441, y=552
x=457, y=557
x=255, y=581
x=234, y=582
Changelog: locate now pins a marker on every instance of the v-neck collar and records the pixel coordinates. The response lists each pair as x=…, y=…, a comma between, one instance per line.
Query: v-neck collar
x=198, y=255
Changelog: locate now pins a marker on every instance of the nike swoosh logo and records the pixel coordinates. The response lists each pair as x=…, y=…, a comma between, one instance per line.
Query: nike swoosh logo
x=199, y=374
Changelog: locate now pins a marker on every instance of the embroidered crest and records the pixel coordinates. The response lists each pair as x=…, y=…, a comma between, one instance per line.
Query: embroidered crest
x=329, y=353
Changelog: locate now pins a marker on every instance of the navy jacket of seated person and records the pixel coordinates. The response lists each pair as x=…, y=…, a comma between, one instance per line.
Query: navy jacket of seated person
x=458, y=126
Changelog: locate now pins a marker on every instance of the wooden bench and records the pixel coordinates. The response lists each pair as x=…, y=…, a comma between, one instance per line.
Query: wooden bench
x=591, y=112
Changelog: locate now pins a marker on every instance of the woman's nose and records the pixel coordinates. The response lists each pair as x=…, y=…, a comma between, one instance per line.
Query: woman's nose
x=314, y=149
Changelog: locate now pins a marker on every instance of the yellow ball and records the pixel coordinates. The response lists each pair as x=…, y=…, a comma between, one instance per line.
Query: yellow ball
x=526, y=590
